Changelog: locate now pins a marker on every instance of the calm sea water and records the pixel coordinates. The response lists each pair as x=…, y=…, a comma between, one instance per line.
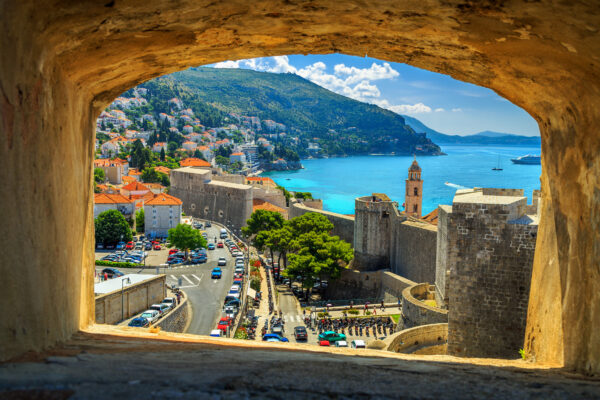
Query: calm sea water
x=338, y=181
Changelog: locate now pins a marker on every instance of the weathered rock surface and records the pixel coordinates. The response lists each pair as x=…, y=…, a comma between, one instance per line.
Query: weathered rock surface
x=62, y=62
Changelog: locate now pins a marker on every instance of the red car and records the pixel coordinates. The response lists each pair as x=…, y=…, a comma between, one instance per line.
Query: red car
x=224, y=323
x=129, y=246
x=324, y=343
x=173, y=251
x=157, y=246
x=220, y=245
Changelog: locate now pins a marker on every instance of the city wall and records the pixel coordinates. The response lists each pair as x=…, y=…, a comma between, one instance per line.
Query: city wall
x=343, y=225
x=427, y=339
x=490, y=248
x=224, y=202
x=415, y=312
x=177, y=319
x=136, y=298
x=413, y=250
x=382, y=285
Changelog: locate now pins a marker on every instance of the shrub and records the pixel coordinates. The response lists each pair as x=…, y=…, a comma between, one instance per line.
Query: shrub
x=104, y=263
x=353, y=312
x=255, y=284
x=323, y=314
x=241, y=334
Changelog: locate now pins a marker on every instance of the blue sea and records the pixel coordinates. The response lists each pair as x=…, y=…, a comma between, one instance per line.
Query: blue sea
x=338, y=181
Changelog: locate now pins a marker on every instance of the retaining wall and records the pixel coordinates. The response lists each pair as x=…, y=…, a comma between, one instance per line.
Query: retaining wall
x=413, y=250
x=176, y=320
x=136, y=298
x=353, y=284
x=426, y=339
x=416, y=312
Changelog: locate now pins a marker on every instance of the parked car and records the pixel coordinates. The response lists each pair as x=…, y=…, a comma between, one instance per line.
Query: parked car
x=199, y=259
x=139, y=322
x=230, y=311
x=341, y=343
x=148, y=246
x=222, y=261
x=216, y=333
x=161, y=308
x=100, y=246
x=120, y=246
x=129, y=246
x=170, y=301
x=175, y=261
x=300, y=333
x=358, y=344
x=332, y=336
x=239, y=270
x=273, y=337
x=324, y=343
x=224, y=324
x=216, y=273
x=157, y=246
x=112, y=272
x=207, y=224
x=151, y=315
x=211, y=246
x=277, y=328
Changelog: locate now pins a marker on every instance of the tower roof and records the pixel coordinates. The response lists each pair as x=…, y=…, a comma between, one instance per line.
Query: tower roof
x=415, y=166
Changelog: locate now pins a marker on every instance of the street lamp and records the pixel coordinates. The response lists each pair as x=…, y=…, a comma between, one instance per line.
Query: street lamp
x=123, y=282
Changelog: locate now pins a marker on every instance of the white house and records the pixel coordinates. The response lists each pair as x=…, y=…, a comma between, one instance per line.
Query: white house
x=158, y=146
x=107, y=201
x=189, y=145
x=162, y=213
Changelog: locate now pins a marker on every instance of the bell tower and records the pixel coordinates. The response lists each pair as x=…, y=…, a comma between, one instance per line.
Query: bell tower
x=414, y=191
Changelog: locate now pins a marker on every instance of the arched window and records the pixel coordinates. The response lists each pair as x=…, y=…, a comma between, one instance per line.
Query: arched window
x=416, y=192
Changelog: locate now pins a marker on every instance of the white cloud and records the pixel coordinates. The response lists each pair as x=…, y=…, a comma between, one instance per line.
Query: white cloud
x=457, y=110
x=348, y=81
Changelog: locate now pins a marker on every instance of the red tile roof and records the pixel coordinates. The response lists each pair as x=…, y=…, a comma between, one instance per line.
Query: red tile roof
x=135, y=187
x=164, y=199
x=106, y=198
x=194, y=162
x=261, y=179
x=258, y=204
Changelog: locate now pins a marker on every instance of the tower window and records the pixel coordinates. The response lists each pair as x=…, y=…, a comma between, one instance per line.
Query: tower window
x=415, y=208
x=416, y=192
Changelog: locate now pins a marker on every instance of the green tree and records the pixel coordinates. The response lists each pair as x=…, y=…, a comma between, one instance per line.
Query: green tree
x=184, y=237
x=222, y=161
x=150, y=175
x=262, y=220
x=111, y=227
x=162, y=154
x=310, y=222
x=99, y=176
x=198, y=154
x=318, y=255
x=140, y=221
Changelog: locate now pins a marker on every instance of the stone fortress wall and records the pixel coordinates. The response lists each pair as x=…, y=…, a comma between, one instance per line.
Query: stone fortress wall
x=415, y=312
x=343, y=225
x=212, y=197
x=381, y=284
x=487, y=247
x=424, y=339
x=386, y=239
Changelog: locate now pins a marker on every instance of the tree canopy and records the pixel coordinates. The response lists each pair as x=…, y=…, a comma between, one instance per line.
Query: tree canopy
x=184, y=237
x=111, y=227
x=262, y=220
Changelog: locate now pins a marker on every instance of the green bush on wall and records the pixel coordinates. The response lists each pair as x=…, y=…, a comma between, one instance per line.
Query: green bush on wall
x=104, y=263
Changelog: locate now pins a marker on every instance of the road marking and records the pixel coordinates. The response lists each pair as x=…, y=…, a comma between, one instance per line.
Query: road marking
x=187, y=279
x=173, y=277
x=199, y=279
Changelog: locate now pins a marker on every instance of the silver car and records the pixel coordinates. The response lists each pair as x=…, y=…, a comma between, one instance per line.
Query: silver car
x=151, y=315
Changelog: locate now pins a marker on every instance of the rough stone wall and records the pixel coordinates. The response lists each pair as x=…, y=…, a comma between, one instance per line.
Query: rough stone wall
x=354, y=284
x=413, y=250
x=176, y=320
x=231, y=178
x=417, y=313
x=136, y=298
x=442, y=257
x=272, y=196
x=372, y=233
x=425, y=339
x=65, y=62
x=227, y=203
x=489, y=281
x=343, y=225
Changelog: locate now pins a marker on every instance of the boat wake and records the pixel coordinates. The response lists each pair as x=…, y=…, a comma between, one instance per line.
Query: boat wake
x=455, y=186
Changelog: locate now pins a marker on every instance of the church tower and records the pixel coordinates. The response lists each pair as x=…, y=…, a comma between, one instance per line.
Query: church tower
x=414, y=191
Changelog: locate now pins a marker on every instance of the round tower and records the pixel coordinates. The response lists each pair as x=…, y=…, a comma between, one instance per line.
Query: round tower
x=413, y=199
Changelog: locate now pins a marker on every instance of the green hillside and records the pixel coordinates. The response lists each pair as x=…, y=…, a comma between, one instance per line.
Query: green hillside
x=307, y=109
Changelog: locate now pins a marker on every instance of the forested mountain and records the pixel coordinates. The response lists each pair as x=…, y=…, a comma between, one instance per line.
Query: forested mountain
x=481, y=138
x=308, y=110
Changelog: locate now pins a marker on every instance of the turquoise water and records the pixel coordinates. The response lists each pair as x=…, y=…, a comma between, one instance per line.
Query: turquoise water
x=338, y=181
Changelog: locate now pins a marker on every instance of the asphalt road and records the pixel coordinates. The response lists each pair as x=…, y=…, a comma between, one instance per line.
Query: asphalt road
x=205, y=295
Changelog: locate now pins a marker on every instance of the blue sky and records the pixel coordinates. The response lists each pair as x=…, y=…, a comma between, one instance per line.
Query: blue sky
x=439, y=101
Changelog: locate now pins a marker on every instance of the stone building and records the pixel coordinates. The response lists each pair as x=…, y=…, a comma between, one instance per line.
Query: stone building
x=485, y=247
x=413, y=201
x=222, y=198
x=161, y=213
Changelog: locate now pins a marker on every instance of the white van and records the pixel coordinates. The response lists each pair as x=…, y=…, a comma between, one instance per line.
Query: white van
x=358, y=344
x=223, y=233
x=216, y=333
